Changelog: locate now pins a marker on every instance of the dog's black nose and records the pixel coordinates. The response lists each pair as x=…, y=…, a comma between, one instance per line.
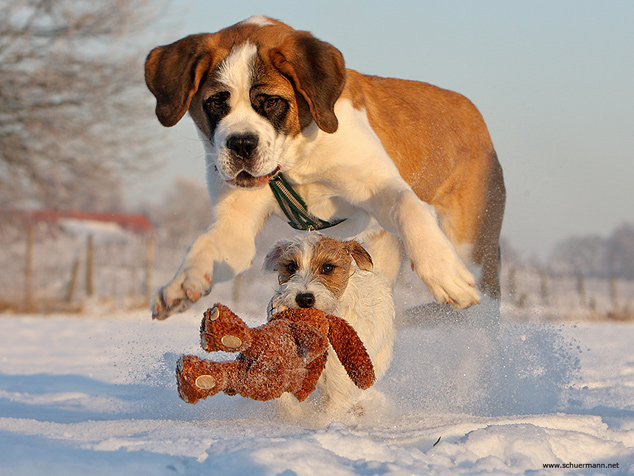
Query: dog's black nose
x=305, y=300
x=242, y=145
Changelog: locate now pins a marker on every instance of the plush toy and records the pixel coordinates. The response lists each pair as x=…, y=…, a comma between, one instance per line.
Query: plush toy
x=287, y=354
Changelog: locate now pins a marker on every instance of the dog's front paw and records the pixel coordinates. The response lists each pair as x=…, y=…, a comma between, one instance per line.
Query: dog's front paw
x=185, y=289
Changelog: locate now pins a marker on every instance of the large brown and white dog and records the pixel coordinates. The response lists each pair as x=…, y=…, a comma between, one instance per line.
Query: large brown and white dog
x=407, y=164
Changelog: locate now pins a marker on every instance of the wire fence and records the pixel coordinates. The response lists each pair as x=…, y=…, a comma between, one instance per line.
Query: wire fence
x=44, y=271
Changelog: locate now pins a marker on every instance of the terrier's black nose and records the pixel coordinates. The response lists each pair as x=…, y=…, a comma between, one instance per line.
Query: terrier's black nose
x=243, y=145
x=305, y=300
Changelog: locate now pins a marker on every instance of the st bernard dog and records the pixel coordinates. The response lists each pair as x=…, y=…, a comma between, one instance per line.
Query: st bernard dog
x=407, y=165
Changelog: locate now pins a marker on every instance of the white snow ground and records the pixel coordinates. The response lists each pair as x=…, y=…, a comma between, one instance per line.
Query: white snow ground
x=97, y=395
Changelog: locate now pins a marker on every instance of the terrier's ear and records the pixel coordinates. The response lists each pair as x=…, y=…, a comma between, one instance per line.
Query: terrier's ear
x=360, y=255
x=273, y=256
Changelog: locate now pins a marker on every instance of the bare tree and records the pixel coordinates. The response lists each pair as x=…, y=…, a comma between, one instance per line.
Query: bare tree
x=620, y=251
x=71, y=100
x=184, y=213
x=595, y=256
x=579, y=254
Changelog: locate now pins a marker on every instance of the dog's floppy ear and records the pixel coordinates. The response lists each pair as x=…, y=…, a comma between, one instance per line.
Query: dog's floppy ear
x=360, y=255
x=317, y=71
x=173, y=73
x=273, y=256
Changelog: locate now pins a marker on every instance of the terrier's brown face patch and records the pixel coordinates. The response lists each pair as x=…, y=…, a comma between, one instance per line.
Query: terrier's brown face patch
x=326, y=260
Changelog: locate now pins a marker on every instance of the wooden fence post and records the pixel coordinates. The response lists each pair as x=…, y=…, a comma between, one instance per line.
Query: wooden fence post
x=581, y=289
x=235, y=290
x=73, y=281
x=614, y=295
x=90, y=256
x=544, y=288
x=149, y=261
x=28, y=270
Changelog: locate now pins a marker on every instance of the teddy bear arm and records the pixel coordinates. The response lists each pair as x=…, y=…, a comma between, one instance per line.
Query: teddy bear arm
x=311, y=343
x=351, y=352
x=222, y=330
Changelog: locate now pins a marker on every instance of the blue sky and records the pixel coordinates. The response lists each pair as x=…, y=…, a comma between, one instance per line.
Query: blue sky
x=554, y=81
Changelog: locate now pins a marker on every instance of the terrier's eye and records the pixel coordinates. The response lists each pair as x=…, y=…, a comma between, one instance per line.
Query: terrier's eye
x=327, y=268
x=291, y=268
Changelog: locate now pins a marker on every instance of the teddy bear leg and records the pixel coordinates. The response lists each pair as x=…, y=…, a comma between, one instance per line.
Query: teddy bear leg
x=198, y=378
x=222, y=330
x=313, y=372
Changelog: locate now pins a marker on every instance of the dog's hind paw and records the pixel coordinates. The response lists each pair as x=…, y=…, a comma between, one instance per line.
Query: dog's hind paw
x=458, y=289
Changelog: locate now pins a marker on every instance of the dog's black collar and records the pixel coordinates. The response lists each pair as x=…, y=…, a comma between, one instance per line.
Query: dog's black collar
x=295, y=208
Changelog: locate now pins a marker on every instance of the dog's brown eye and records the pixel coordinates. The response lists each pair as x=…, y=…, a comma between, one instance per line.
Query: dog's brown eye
x=327, y=268
x=218, y=101
x=291, y=268
x=271, y=103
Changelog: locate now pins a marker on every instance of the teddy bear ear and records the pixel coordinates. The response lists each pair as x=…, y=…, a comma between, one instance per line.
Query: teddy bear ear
x=351, y=352
x=272, y=258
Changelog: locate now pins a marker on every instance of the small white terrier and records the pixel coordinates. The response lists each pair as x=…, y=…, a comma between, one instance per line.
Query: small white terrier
x=336, y=277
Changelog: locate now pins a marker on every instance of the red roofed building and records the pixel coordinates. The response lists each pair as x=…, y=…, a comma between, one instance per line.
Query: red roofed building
x=135, y=223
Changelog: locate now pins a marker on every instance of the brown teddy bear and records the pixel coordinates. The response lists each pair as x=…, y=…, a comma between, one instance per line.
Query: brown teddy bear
x=287, y=354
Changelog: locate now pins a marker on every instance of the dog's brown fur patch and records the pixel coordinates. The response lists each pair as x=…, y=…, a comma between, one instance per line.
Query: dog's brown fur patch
x=330, y=263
